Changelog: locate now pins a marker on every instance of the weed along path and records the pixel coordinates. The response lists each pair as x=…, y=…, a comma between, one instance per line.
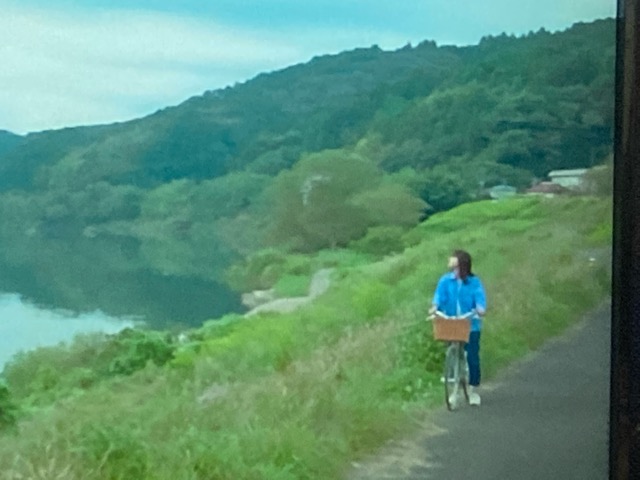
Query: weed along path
x=546, y=417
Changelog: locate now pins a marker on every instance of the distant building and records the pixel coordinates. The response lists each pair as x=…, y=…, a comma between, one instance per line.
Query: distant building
x=502, y=191
x=571, y=179
x=547, y=189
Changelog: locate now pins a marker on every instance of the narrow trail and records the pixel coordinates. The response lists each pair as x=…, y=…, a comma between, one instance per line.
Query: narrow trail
x=546, y=417
x=319, y=284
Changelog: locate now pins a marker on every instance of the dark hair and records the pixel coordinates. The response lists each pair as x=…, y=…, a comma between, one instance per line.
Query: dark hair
x=464, y=264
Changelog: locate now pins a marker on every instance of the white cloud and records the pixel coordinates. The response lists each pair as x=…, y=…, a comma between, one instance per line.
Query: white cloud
x=69, y=68
x=64, y=68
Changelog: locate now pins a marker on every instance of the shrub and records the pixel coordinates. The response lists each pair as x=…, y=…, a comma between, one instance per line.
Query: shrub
x=257, y=272
x=8, y=408
x=371, y=299
x=420, y=361
x=135, y=348
x=115, y=451
x=380, y=241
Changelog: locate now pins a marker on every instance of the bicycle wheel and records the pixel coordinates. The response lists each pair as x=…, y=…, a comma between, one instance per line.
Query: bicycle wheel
x=452, y=372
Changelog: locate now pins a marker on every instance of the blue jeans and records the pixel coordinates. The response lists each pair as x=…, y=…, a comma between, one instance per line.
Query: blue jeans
x=473, y=358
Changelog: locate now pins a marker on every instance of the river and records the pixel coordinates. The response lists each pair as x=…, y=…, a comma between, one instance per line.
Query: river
x=24, y=326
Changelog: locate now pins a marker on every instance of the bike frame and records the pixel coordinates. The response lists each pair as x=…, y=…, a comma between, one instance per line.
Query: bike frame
x=455, y=374
x=455, y=365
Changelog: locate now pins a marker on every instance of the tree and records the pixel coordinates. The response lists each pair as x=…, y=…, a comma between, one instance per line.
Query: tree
x=311, y=205
x=391, y=204
x=445, y=187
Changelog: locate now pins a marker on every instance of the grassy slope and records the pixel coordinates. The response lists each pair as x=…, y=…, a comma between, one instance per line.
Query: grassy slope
x=300, y=395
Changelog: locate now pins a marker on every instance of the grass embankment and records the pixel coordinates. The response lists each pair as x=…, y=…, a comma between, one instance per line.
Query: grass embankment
x=297, y=396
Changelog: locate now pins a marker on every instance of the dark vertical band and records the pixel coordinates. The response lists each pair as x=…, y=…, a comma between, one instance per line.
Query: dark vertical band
x=624, y=448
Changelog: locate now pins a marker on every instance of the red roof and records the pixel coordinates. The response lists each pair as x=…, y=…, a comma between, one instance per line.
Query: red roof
x=547, y=187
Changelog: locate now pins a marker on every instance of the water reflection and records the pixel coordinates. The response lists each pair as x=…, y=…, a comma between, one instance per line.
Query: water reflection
x=24, y=326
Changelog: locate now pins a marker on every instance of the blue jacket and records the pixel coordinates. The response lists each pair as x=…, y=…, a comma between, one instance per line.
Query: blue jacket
x=451, y=291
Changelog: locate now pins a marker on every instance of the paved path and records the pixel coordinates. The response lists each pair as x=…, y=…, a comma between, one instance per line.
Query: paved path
x=544, y=418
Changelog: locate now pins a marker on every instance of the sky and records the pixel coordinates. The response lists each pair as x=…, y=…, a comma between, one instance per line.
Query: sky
x=66, y=63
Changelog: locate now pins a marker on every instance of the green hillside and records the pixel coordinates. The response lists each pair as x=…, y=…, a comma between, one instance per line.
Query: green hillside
x=334, y=101
x=8, y=141
x=115, y=216
x=303, y=394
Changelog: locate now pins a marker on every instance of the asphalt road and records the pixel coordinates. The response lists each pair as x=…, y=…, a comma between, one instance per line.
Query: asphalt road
x=544, y=418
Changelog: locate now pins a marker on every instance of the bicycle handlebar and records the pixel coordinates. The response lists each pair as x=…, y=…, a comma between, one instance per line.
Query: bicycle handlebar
x=440, y=314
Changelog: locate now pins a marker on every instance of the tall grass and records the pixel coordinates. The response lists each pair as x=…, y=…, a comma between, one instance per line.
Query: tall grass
x=300, y=395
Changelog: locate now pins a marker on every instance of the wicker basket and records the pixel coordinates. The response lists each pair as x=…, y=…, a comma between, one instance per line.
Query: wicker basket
x=451, y=329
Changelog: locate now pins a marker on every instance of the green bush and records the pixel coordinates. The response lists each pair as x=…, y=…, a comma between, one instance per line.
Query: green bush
x=420, y=361
x=135, y=348
x=371, y=299
x=8, y=408
x=45, y=367
x=116, y=452
x=45, y=374
x=258, y=271
x=380, y=241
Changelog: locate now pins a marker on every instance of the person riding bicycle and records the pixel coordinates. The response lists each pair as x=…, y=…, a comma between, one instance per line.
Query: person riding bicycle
x=459, y=292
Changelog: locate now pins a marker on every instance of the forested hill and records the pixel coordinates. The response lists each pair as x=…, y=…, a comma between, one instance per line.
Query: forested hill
x=556, y=84
x=317, y=155
x=8, y=141
x=322, y=104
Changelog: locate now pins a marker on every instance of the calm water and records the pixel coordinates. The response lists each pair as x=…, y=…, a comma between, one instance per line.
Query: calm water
x=24, y=326
x=162, y=301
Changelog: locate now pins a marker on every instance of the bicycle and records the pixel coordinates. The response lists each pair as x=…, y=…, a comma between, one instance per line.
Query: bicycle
x=454, y=330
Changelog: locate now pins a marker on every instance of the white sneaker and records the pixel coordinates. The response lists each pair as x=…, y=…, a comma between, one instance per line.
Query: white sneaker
x=453, y=400
x=474, y=398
